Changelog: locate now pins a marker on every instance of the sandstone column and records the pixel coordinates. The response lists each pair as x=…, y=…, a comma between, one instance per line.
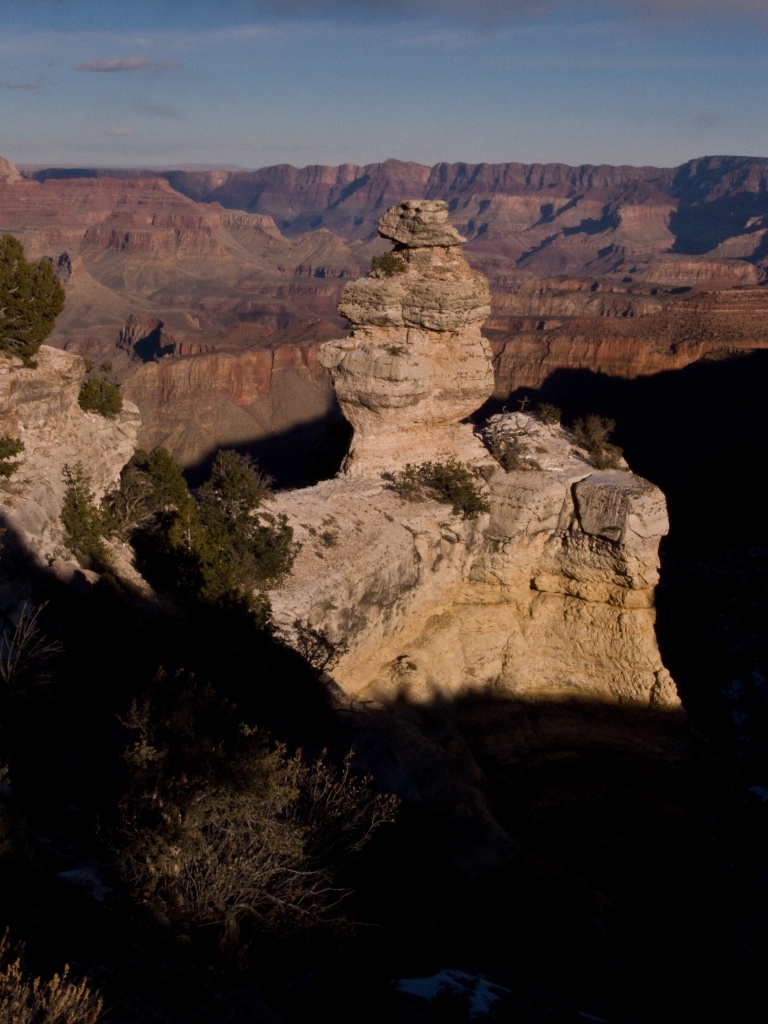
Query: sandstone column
x=416, y=363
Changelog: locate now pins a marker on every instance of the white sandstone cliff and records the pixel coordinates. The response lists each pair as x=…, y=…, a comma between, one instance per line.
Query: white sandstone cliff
x=553, y=592
x=551, y=595
x=39, y=406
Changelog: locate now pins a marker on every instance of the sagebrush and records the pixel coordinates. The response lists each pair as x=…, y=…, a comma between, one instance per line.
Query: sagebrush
x=593, y=434
x=225, y=830
x=26, y=999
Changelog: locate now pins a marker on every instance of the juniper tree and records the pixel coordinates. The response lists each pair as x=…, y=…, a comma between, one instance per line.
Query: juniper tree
x=30, y=300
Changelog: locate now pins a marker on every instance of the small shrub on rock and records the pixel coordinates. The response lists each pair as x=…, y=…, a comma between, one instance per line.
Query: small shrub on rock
x=100, y=396
x=388, y=264
x=513, y=455
x=549, y=414
x=449, y=482
x=592, y=433
x=9, y=446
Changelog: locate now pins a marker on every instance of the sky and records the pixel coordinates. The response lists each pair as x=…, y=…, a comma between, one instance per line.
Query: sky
x=251, y=83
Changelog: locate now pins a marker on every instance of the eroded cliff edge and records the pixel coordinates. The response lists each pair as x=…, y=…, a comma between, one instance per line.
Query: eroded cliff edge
x=40, y=407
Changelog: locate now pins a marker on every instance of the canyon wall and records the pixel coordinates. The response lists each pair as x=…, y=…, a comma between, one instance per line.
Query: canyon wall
x=618, y=270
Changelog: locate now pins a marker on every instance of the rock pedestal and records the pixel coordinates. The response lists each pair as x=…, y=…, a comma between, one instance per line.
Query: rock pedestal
x=416, y=363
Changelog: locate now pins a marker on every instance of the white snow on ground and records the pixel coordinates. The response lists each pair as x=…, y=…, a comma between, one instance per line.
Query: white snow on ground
x=483, y=994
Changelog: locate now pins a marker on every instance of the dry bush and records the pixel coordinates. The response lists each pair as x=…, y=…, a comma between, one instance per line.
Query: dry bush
x=224, y=830
x=593, y=433
x=25, y=652
x=25, y=999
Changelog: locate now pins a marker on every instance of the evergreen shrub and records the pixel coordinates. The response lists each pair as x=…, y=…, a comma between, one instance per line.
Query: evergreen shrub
x=30, y=300
x=450, y=482
x=100, y=396
x=9, y=446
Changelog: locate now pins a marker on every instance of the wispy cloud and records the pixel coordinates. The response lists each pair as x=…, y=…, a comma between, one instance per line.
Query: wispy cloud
x=707, y=120
x=497, y=11
x=19, y=85
x=155, y=109
x=125, y=64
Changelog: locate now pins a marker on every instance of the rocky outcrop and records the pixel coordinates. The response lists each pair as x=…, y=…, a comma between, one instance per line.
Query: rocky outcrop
x=416, y=363
x=39, y=406
x=525, y=636
x=552, y=593
x=539, y=598
x=545, y=604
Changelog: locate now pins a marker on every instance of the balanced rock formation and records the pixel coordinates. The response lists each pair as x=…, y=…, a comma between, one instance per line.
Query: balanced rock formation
x=416, y=363
x=498, y=670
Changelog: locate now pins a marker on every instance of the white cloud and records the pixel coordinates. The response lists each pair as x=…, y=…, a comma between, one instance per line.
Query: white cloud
x=124, y=64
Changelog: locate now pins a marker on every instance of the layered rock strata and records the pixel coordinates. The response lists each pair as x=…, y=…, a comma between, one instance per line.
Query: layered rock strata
x=416, y=363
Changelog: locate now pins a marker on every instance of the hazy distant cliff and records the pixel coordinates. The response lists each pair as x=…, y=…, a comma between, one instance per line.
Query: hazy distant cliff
x=711, y=198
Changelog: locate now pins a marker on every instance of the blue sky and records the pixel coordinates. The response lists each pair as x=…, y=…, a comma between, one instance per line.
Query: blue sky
x=257, y=82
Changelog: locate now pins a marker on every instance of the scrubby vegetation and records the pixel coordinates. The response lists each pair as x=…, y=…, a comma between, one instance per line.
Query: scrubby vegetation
x=220, y=545
x=9, y=447
x=25, y=652
x=82, y=520
x=450, y=482
x=100, y=396
x=549, y=413
x=593, y=433
x=26, y=999
x=192, y=769
x=225, y=830
x=388, y=264
x=511, y=449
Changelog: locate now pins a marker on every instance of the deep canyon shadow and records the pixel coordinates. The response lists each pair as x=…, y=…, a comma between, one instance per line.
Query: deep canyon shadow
x=604, y=882
x=299, y=457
